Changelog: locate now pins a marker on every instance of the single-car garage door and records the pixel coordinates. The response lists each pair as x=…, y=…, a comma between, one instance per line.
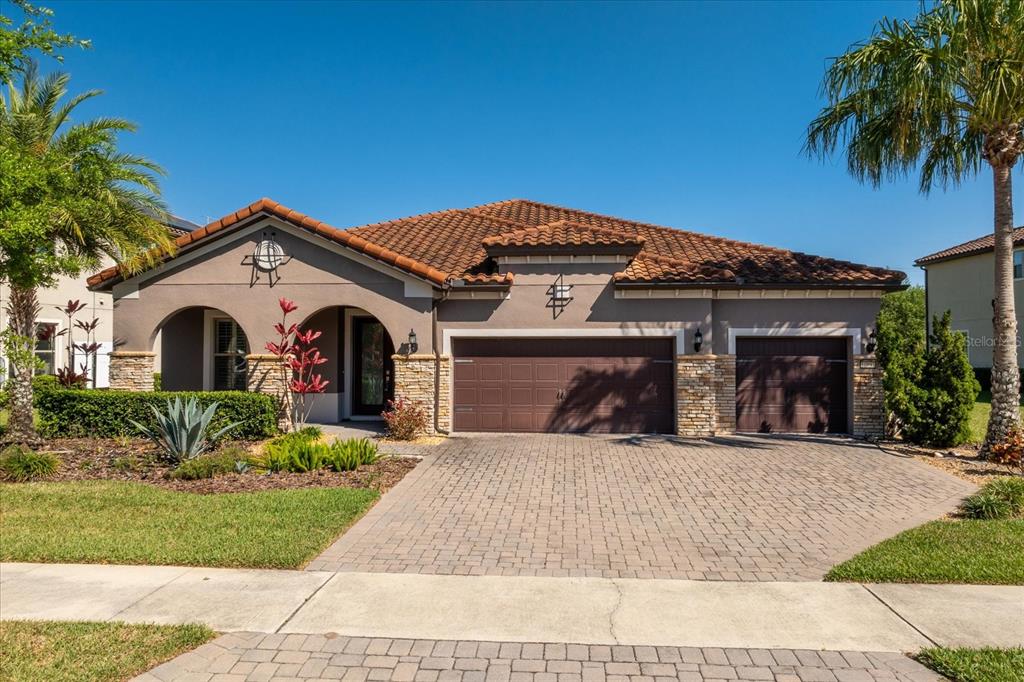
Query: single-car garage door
x=791, y=384
x=581, y=385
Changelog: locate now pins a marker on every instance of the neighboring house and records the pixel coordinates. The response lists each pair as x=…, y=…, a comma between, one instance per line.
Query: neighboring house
x=961, y=279
x=517, y=316
x=52, y=349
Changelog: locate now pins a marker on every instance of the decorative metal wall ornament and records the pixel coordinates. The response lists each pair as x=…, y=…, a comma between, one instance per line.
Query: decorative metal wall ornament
x=266, y=259
x=559, y=296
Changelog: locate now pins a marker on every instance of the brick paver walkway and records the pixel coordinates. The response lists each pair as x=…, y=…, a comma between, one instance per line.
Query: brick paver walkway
x=556, y=505
x=257, y=657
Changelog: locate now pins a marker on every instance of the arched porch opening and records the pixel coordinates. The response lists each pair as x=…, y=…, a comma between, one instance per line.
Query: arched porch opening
x=201, y=348
x=359, y=369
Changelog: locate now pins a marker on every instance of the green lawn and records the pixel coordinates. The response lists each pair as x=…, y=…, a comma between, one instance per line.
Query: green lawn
x=979, y=416
x=976, y=665
x=135, y=523
x=32, y=651
x=957, y=551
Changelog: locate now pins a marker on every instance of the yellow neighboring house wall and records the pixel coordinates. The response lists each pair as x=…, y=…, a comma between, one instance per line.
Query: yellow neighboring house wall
x=965, y=286
x=98, y=305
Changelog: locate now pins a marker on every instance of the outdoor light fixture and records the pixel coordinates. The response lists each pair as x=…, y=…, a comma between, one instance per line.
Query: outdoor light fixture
x=266, y=259
x=698, y=341
x=872, y=342
x=269, y=254
x=413, y=345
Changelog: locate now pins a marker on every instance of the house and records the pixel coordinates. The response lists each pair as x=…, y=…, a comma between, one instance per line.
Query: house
x=961, y=279
x=53, y=344
x=516, y=316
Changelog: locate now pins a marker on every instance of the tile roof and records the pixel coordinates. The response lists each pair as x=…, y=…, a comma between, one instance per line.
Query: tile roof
x=979, y=245
x=449, y=245
x=564, y=233
x=691, y=257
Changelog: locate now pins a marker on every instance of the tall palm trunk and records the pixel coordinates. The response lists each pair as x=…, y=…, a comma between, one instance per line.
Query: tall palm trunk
x=23, y=309
x=1005, y=417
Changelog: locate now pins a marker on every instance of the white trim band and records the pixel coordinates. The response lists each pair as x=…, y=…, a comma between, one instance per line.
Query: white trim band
x=611, y=332
x=854, y=334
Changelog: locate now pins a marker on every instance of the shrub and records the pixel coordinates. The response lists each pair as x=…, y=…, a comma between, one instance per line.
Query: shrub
x=182, y=432
x=301, y=452
x=932, y=390
x=225, y=461
x=158, y=381
x=18, y=463
x=985, y=505
x=278, y=454
x=349, y=454
x=41, y=383
x=405, y=419
x=109, y=414
x=999, y=499
x=124, y=463
x=1009, y=453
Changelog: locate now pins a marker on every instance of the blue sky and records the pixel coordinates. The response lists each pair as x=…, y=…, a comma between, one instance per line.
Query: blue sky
x=688, y=115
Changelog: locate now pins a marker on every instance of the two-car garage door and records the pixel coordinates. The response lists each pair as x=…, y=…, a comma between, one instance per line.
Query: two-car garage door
x=585, y=385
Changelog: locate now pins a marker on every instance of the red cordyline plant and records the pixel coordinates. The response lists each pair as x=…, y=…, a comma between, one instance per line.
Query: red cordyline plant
x=68, y=376
x=295, y=347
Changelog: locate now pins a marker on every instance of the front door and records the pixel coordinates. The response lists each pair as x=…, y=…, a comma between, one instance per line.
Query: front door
x=373, y=379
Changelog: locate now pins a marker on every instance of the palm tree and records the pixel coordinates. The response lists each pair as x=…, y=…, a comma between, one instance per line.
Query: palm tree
x=942, y=93
x=69, y=198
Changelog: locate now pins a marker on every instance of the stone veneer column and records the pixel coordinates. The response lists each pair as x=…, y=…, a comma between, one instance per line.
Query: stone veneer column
x=269, y=374
x=131, y=370
x=725, y=393
x=444, y=394
x=868, y=398
x=696, y=406
x=416, y=381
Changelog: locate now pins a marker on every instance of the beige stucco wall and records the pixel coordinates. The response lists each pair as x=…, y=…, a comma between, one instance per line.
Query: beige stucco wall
x=98, y=305
x=593, y=306
x=315, y=278
x=965, y=286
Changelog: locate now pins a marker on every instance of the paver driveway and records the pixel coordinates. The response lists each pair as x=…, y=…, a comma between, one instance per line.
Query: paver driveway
x=742, y=508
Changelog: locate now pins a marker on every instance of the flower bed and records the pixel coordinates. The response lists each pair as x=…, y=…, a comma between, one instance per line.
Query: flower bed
x=83, y=459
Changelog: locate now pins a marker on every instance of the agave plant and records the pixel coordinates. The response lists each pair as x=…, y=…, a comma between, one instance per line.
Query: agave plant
x=181, y=433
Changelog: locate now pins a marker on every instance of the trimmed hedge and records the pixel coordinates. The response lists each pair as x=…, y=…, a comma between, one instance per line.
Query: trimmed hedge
x=107, y=414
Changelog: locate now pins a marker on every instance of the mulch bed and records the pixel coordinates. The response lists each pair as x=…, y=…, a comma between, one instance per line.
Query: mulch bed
x=962, y=461
x=84, y=459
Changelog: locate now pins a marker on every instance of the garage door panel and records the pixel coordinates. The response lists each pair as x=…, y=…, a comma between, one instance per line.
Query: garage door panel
x=620, y=388
x=491, y=396
x=791, y=385
x=490, y=371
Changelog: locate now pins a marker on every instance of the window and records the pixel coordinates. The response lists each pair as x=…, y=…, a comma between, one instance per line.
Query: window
x=1018, y=264
x=229, y=350
x=46, y=347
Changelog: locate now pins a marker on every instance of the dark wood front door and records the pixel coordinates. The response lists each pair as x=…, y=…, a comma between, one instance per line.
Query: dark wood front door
x=585, y=385
x=791, y=384
x=373, y=369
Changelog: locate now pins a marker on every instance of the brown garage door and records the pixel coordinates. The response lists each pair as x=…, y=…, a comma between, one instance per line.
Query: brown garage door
x=564, y=385
x=794, y=385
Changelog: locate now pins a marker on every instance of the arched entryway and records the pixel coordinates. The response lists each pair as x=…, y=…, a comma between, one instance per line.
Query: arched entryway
x=201, y=349
x=359, y=369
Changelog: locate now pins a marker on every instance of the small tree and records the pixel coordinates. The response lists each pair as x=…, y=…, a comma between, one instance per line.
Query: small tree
x=948, y=389
x=295, y=348
x=900, y=331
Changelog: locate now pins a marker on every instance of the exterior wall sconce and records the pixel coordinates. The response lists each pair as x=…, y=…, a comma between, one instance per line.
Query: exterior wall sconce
x=559, y=296
x=266, y=259
x=872, y=343
x=413, y=344
x=698, y=341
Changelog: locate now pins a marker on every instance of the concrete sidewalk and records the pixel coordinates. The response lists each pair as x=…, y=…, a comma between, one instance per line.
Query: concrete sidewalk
x=680, y=613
